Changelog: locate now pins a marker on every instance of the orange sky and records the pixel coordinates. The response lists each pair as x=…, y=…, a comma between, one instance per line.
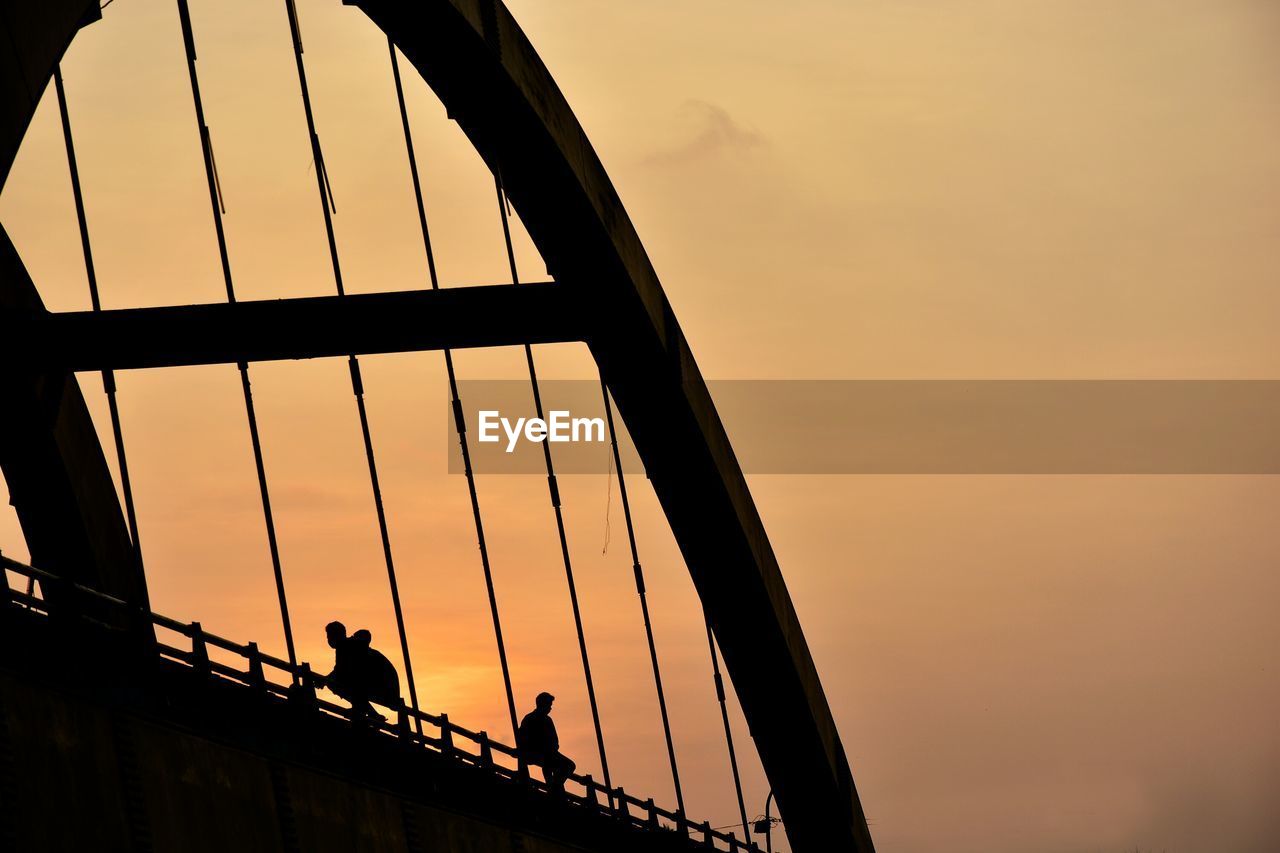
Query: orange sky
x=986, y=189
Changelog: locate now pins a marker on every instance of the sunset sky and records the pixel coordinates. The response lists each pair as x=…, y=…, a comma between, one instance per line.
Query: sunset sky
x=878, y=189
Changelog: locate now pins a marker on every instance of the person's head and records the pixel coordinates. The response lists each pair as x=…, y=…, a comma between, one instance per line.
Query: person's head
x=336, y=632
x=543, y=702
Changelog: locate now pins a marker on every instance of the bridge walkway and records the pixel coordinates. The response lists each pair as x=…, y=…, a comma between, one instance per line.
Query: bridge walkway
x=207, y=693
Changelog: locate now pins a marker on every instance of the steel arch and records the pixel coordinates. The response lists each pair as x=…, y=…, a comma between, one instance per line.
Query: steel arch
x=482, y=67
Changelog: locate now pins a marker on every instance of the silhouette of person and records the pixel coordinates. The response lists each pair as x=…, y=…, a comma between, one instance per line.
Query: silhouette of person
x=360, y=673
x=540, y=745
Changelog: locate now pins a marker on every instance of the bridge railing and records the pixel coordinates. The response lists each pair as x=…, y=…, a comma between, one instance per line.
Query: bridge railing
x=298, y=685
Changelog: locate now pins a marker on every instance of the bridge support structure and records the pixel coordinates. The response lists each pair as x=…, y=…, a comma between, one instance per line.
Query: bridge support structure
x=479, y=63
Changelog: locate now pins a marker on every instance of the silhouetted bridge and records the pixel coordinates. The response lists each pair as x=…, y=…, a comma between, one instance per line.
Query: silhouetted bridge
x=88, y=701
x=161, y=747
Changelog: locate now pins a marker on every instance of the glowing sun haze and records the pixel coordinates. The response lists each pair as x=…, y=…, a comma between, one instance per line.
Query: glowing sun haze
x=977, y=189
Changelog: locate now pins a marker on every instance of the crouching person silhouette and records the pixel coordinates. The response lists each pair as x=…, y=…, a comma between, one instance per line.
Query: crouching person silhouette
x=540, y=745
x=361, y=673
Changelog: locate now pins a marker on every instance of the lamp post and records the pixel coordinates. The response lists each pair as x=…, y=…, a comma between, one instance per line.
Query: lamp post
x=765, y=826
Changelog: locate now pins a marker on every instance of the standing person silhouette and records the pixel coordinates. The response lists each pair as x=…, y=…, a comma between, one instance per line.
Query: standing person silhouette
x=540, y=745
x=360, y=672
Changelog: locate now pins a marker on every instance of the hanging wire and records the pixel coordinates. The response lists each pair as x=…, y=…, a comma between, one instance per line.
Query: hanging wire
x=644, y=601
x=504, y=213
x=608, y=504
x=357, y=383
x=215, y=200
x=728, y=732
x=108, y=376
x=458, y=414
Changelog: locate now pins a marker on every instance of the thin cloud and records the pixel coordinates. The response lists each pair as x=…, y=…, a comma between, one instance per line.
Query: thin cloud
x=715, y=133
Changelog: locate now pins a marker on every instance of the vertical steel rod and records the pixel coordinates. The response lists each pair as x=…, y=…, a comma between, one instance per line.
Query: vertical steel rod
x=728, y=732
x=554, y=490
x=644, y=600
x=357, y=384
x=215, y=201
x=108, y=376
x=459, y=420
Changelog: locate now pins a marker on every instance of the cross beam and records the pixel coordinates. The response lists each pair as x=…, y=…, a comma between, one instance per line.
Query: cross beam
x=313, y=327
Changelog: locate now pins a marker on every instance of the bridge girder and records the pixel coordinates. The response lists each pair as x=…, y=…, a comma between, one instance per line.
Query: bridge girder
x=310, y=327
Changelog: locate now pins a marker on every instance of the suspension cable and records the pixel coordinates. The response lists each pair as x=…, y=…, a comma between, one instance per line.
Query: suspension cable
x=644, y=601
x=108, y=375
x=458, y=414
x=728, y=732
x=215, y=200
x=357, y=384
x=554, y=490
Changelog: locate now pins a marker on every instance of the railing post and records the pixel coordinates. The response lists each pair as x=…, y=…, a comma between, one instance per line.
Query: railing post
x=7, y=601
x=199, y=650
x=707, y=839
x=309, y=683
x=57, y=596
x=140, y=624
x=446, y=735
x=72, y=600
x=303, y=692
x=6, y=596
x=652, y=808
x=486, y=750
x=257, y=676
x=620, y=804
x=682, y=824
x=590, y=785
x=402, y=725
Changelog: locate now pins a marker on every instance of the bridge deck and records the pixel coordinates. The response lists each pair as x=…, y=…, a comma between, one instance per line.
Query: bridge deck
x=56, y=636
